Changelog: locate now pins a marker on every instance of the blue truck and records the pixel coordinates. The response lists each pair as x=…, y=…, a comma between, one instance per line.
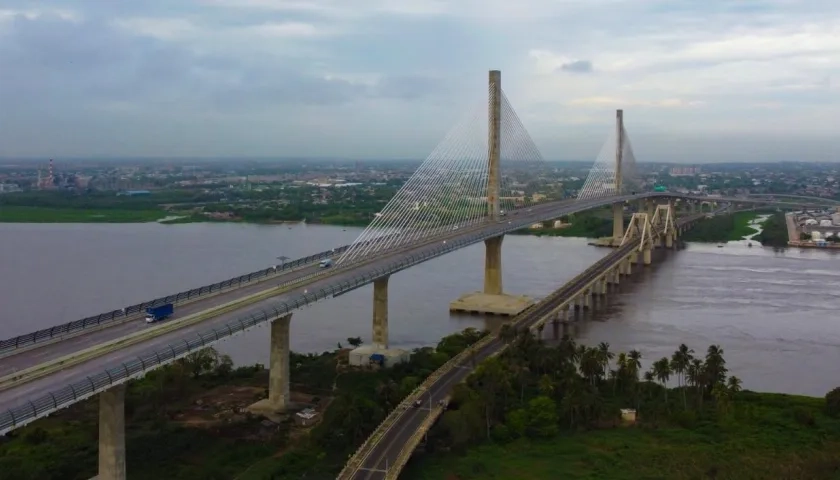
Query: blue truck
x=155, y=314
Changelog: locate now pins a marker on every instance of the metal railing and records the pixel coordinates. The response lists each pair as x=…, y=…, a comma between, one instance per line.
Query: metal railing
x=96, y=321
x=21, y=415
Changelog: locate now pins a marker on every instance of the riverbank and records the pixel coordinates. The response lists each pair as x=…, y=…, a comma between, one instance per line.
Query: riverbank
x=20, y=214
x=189, y=420
x=765, y=436
x=722, y=228
x=541, y=411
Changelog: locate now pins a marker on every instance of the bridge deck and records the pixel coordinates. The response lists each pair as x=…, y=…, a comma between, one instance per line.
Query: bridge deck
x=25, y=402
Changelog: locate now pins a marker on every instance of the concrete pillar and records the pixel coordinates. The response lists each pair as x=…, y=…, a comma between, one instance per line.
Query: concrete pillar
x=278, y=376
x=494, y=144
x=112, y=434
x=646, y=255
x=587, y=300
x=493, y=266
x=629, y=266
x=669, y=240
x=634, y=257
x=619, y=151
x=618, y=222
x=380, y=312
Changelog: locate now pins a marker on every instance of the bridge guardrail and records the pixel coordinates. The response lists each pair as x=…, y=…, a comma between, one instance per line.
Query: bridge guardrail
x=108, y=317
x=91, y=385
x=9, y=345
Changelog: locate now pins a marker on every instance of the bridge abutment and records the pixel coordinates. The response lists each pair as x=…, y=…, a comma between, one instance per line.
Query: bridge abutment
x=112, y=434
x=278, y=376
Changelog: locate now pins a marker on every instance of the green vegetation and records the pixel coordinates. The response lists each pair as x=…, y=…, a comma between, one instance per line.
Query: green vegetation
x=586, y=224
x=185, y=421
x=722, y=228
x=17, y=214
x=774, y=233
x=335, y=206
x=546, y=412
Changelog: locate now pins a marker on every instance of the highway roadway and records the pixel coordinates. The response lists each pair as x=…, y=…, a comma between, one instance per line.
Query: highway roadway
x=386, y=451
x=50, y=351
x=23, y=393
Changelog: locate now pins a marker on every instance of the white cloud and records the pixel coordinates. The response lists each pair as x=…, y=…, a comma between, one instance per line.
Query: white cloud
x=162, y=28
x=286, y=30
x=678, y=67
x=7, y=15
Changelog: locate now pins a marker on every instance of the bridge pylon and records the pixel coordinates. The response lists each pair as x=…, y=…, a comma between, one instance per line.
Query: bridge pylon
x=618, y=208
x=663, y=221
x=493, y=300
x=641, y=228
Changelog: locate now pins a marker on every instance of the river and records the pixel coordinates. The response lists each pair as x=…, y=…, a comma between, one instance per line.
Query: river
x=775, y=313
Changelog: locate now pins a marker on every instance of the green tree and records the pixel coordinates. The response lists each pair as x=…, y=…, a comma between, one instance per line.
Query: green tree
x=542, y=417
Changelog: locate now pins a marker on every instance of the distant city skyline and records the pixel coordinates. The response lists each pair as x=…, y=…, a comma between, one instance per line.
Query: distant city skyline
x=700, y=82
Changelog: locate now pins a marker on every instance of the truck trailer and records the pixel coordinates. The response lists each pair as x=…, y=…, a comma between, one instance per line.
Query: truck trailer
x=161, y=312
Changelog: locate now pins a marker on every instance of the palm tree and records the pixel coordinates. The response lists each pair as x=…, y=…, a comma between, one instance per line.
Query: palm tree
x=679, y=364
x=546, y=386
x=634, y=363
x=605, y=356
x=507, y=333
x=662, y=371
x=715, y=365
x=734, y=384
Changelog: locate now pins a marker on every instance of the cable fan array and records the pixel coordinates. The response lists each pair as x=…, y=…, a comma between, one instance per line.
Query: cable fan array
x=601, y=179
x=449, y=189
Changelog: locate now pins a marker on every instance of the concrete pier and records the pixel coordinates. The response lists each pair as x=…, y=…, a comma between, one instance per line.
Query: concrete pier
x=380, y=312
x=112, y=434
x=493, y=266
x=278, y=379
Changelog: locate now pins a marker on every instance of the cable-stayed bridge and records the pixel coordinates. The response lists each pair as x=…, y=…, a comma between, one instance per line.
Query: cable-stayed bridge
x=472, y=188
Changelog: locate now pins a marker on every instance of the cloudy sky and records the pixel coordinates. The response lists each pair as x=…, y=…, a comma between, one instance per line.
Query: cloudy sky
x=699, y=80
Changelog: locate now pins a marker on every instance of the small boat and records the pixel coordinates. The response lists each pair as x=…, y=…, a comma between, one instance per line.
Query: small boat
x=720, y=245
x=749, y=244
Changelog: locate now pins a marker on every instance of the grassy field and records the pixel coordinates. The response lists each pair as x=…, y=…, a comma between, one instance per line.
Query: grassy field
x=766, y=436
x=16, y=214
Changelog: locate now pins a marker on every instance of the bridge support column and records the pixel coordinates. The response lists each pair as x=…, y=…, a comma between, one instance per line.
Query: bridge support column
x=112, y=434
x=669, y=240
x=493, y=266
x=380, y=312
x=647, y=256
x=634, y=257
x=278, y=375
x=618, y=222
